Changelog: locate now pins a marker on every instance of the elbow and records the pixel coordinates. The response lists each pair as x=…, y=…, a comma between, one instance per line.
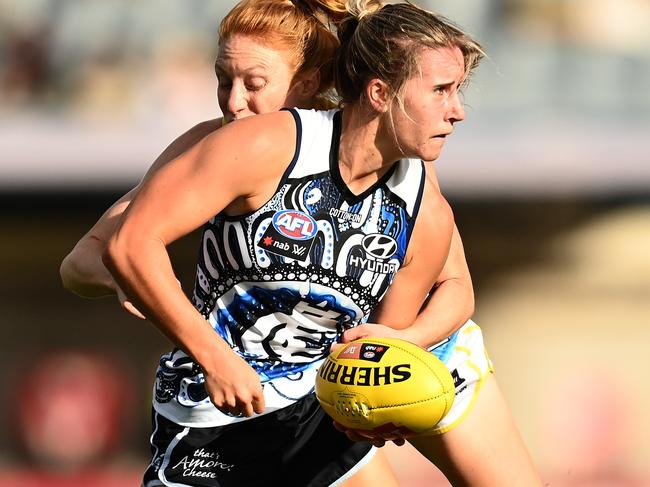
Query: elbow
x=67, y=273
x=115, y=256
x=82, y=273
x=123, y=256
x=73, y=277
x=468, y=302
x=470, y=306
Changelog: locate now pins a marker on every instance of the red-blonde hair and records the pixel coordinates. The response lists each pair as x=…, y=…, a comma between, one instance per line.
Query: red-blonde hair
x=302, y=28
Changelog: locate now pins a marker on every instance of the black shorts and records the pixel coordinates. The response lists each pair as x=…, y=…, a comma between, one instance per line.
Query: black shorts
x=294, y=446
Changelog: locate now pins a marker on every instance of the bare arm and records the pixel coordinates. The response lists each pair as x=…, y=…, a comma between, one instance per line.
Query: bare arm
x=82, y=270
x=430, y=247
x=449, y=305
x=234, y=165
x=451, y=302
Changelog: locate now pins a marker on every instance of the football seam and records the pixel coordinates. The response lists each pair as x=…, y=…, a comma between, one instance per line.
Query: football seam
x=389, y=406
x=408, y=403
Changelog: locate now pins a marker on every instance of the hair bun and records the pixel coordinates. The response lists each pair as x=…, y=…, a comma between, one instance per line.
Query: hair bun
x=357, y=11
x=346, y=28
x=361, y=8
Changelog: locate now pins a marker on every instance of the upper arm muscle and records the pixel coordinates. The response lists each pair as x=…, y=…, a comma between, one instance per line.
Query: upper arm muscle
x=428, y=250
x=227, y=164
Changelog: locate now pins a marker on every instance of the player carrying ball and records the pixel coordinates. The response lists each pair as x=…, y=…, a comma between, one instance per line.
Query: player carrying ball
x=316, y=220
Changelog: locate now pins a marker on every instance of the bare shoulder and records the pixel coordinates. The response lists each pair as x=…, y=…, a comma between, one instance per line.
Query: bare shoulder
x=434, y=225
x=256, y=129
x=183, y=143
x=432, y=177
x=188, y=139
x=252, y=149
x=272, y=132
x=435, y=211
x=204, y=128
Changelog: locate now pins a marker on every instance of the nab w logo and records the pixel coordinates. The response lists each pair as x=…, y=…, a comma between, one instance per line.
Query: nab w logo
x=294, y=224
x=379, y=246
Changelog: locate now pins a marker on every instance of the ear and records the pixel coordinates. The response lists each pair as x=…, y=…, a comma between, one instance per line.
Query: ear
x=306, y=85
x=378, y=94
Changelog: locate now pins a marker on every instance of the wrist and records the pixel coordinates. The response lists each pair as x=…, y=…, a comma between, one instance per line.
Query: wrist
x=415, y=335
x=211, y=351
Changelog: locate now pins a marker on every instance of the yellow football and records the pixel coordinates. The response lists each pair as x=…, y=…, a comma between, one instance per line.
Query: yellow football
x=385, y=384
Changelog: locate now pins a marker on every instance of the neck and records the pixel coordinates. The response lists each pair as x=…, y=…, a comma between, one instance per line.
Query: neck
x=366, y=150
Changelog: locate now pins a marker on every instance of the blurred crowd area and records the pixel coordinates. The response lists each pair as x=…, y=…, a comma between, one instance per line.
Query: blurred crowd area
x=105, y=85
x=584, y=56
x=101, y=57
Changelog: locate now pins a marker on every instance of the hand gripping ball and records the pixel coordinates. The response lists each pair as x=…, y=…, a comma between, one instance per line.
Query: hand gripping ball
x=385, y=385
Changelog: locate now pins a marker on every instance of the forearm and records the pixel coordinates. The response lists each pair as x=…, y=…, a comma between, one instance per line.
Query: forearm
x=451, y=302
x=83, y=272
x=144, y=271
x=448, y=308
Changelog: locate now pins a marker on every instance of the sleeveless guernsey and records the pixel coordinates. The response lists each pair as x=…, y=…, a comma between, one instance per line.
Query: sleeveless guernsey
x=280, y=284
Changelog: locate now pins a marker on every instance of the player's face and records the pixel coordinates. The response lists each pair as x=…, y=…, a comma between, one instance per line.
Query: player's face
x=253, y=78
x=432, y=104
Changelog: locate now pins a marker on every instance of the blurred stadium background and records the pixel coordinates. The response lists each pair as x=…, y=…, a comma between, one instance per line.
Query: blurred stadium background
x=549, y=177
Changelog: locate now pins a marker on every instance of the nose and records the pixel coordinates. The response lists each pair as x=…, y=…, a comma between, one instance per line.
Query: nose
x=236, y=103
x=456, y=111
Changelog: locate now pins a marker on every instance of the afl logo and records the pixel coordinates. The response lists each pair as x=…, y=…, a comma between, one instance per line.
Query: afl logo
x=379, y=245
x=294, y=224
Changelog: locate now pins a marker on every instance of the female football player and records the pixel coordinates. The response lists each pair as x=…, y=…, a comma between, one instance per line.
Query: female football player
x=240, y=97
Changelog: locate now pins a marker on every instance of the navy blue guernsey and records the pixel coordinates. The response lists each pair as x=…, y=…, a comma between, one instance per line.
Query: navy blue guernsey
x=282, y=283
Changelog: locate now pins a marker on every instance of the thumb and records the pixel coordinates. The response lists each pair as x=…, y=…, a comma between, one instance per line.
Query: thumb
x=128, y=306
x=359, y=331
x=355, y=333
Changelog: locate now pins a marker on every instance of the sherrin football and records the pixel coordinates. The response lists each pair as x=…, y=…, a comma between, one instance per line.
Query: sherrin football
x=385, y=384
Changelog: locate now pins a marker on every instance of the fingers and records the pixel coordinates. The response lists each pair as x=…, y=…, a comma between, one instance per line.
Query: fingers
x=233, y=407
x=235, y=388
x=359, y=435
x=355, y=333
x=350, y=335
x=128, y=306
x=242, y=403
x=376, y=439
x=255, y=405
x=259, y=404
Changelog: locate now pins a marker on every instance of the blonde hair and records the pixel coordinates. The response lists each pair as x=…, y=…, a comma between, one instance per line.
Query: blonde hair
x=384, y=42
x=302, y=28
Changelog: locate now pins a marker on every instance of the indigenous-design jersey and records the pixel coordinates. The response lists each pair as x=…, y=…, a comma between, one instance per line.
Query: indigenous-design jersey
x=280, y=284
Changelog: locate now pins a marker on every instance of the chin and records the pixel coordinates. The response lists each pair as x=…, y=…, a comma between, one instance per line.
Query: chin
x=429, y=156
x=430, y=152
